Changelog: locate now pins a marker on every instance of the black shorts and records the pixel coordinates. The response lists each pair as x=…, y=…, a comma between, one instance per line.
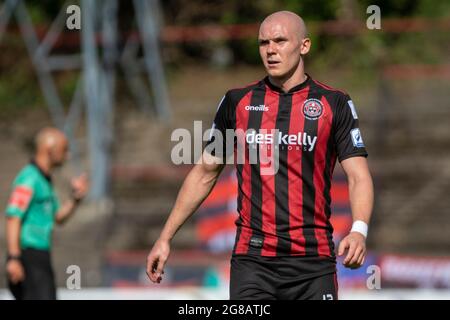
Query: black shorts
x=39, y=282
x=283, y=278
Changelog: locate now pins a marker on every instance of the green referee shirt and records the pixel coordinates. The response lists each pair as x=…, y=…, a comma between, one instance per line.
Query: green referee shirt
x=34, y=201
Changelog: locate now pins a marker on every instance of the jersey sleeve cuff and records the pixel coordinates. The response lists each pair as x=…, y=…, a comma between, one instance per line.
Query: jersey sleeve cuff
x=14, y=212
x=352, y=155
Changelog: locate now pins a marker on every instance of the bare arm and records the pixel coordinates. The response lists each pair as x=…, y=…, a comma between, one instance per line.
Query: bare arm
x=14, y=267
x=361, y=201
x=80, y=187
x=196, y=187
x=13, y=225
x=360, y=188
x=67, y=209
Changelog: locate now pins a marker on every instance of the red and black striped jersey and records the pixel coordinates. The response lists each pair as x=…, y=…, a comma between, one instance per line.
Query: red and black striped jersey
x=286, y=211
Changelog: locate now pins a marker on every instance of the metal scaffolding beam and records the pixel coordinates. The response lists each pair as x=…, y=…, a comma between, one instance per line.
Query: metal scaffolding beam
x=97, y=84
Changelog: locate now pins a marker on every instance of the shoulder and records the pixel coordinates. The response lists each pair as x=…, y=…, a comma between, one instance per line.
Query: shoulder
x=336, y=98
x=325, y=88
x=26, y=176
x=236, y=94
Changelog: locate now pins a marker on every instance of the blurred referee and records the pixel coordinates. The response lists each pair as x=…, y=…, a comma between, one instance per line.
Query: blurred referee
x=31, y=212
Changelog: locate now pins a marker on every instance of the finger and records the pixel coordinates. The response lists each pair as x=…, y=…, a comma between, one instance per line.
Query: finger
x=15, y=277
x=342, y=246
x=361, y=258
x=151, y=260
x=359, y=261
x=80, y=181
x=12, y=277
x=159, y=269
x=356, y=255
x=82, y=177
x=351, y=252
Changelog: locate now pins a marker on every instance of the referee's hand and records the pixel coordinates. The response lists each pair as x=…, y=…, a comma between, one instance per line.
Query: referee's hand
x=355, y=243
x=80, y=186
x=157, y=259
x=15, y=271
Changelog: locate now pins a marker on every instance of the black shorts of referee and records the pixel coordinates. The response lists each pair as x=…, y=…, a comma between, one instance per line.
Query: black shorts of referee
x=283, y=278
x=39, y=282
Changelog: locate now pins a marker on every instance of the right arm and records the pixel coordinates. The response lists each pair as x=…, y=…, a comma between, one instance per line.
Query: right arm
x=17, y=207
x=196, y=187
x=14, y=267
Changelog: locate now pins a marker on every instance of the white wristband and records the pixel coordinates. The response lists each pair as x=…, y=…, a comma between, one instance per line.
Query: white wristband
x=361, y=227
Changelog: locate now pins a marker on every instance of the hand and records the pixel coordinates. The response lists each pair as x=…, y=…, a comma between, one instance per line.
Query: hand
x=157, y=259
x=355, y=242
x=80, y=187
x=15, y=271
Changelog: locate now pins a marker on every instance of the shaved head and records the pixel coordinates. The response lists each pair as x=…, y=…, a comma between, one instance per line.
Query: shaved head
x=283, y=42
x=292, y=21
x=51, y=146
x=49, y=137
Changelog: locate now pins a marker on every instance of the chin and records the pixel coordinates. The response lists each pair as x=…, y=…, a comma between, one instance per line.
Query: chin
x=276, y=75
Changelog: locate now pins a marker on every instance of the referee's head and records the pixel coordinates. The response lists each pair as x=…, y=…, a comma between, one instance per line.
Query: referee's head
x=283, y=41
x=51, y=145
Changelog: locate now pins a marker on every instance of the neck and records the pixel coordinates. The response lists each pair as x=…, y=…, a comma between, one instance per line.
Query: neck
x=43, y=162
x=292, y=79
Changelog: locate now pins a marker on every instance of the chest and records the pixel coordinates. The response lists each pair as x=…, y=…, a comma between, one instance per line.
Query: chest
x=288, y=113
x=44, y=199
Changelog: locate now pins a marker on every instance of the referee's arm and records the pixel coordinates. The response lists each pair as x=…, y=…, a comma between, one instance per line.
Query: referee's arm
x=80, y=187
x=196, y=187
x=361, y=201
x=14, y=266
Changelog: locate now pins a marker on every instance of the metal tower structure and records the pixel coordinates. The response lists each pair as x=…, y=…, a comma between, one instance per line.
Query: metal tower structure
x=97, y=62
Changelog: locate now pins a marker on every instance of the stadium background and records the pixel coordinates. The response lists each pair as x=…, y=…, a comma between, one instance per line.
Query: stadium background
x=398, y=78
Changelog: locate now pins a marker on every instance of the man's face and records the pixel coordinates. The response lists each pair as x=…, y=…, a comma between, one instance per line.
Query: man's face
x=59, y=152
x=280, y=48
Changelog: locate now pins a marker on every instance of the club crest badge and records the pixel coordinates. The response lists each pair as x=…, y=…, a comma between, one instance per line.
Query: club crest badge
x=312, y=109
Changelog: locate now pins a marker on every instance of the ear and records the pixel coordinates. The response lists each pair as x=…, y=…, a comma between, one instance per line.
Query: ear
x=305, y=46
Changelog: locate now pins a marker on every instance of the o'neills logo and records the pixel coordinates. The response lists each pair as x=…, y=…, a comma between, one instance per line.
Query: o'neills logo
x=300, y=139
x=261, y=107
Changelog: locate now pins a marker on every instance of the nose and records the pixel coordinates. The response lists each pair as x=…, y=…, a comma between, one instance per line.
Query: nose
x=271, y=48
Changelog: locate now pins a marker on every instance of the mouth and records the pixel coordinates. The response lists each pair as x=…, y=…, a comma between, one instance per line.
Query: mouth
x=272, y=63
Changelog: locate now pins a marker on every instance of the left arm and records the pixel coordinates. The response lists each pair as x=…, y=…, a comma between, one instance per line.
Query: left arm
x=361, y=202
x=66, y=210
x=80, y=188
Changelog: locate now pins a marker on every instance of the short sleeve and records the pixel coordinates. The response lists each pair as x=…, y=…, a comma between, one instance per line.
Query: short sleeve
x=20, y=197
x=348, y=136
x=218, y=145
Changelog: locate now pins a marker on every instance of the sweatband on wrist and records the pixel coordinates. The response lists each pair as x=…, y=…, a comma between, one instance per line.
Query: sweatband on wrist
x=361, y=227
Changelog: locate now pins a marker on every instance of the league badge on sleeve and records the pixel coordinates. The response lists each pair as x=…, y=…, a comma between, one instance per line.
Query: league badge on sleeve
x=353, y=109
x=357, y=138
x=21, y=197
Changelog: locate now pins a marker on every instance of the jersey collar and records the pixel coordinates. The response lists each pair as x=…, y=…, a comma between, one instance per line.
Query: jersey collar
x=298, y=87
x=46, y=176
